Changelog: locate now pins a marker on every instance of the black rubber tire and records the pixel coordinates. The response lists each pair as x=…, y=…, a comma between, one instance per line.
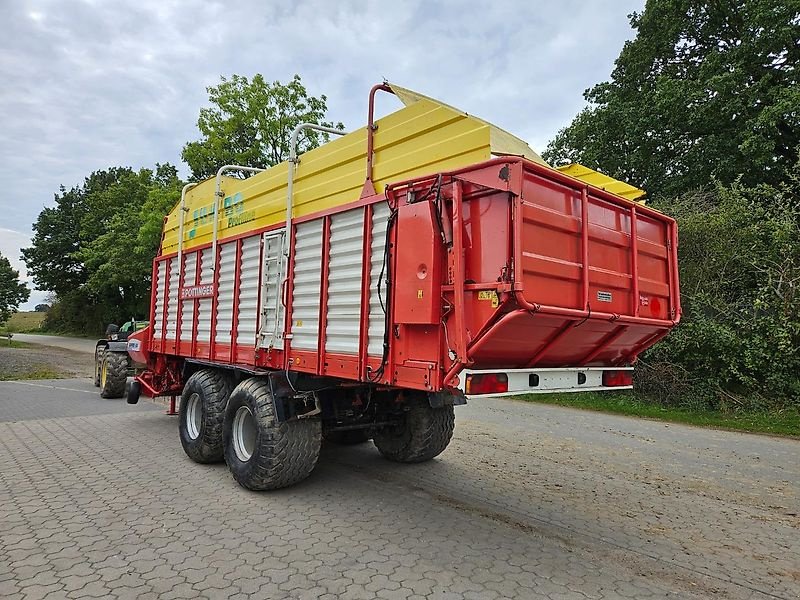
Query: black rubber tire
x=213, y=389
x=98, y=364
x=116, y=368
x=348, y=437
x=423, y=432
x=283, y=453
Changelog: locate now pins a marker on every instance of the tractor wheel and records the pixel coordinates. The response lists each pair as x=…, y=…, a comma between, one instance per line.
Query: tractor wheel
x=113, y=374
x=422, y=433
x=201, y=415
x=348, y=437
x=261, y=453
x=99, y=353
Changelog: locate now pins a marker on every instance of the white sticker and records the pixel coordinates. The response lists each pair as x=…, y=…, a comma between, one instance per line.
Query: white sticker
x=604, y=296
x=134, y=345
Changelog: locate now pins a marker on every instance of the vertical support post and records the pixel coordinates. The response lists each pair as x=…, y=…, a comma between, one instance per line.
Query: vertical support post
x=216, y=259
x=287, y=297
x=237, y=284
x=179, y=311
x=323, y=293
x=675, y=292
x=369, y=186
x=196, y=310
x=634, y=263
x=171, y=410
x=366, y=270
x=459, y=274
x=165, y=311
x=153, y=297
x=585, y=247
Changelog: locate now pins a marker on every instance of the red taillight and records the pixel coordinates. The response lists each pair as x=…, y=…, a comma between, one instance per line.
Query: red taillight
x=486, y=383
x=617, y=378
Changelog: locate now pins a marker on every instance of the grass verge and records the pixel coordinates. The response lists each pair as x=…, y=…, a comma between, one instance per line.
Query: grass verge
x=11, y=343
x=25, y=322
x=785, y=423
x=35, y=372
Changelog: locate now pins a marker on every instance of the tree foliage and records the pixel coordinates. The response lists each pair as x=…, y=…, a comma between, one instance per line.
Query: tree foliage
x=739, y=343
x=12, y=291
x=706, y=90
x=95, y=247
x=250, y=123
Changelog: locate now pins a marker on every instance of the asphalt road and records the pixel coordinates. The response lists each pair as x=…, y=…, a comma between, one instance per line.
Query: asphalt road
x=70, y=343
x=97, y=499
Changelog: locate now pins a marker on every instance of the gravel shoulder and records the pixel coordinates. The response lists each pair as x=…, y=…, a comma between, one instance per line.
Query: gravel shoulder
x=34, y=361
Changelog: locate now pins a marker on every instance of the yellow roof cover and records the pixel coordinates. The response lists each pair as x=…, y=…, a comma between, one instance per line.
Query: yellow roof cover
x=502, y=142
x=604, y=182
x=423, y=138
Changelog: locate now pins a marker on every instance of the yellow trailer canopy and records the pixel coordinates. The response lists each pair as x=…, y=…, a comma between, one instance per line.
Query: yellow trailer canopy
x=604, y=182
x=423, y=138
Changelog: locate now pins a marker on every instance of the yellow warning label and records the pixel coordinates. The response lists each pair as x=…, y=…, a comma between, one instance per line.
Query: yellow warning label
x=298, y=323
x=419, y=293
x=489, y=295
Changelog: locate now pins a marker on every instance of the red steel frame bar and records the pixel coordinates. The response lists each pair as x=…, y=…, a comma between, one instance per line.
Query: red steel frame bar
x=675, y=295
x=459, y=274
x=287, y=288
x=153, y=295
x=237, y=285
x=323, y=294
x=179, y=315
x=585, y=246
x=167, y=271
x=369, y=186
x=583, y=314
x=608, y=339
x=366, y=270
x=197, y=274
x=212, y=338
x=559, y=333
x=634, y=263
x=261, y=273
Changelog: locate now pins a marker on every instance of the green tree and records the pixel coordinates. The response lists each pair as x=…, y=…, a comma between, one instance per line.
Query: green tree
x=738, y=345
x=52, y=258
x=12, y=292
x=706, y=90
x=95, y=247
x=250, y=123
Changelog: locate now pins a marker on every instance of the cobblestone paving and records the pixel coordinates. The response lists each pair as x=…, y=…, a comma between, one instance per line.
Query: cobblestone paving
x=528, y=502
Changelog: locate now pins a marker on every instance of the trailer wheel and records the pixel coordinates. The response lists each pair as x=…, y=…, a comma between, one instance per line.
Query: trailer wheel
x=201, y=415
x=113, y=374
x=99, y=353
x=348, y=437
x=422, y=433
x=261, y=453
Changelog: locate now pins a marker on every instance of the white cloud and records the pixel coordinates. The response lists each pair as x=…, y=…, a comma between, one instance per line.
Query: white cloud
x=88, y=85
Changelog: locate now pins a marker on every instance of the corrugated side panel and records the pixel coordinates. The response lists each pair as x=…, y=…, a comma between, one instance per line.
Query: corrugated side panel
x=187, y=306
x=344, y=282
x=158, y=325
x=248, y=291
x=271, y=289
x=377, y=317
x=306, y=288
x=204, y=305
x=225, y=284
x=172, y=303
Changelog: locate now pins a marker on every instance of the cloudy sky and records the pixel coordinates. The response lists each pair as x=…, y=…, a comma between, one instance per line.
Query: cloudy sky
x=96, y=83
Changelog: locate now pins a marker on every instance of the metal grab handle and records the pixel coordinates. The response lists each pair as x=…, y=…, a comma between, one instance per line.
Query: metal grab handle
x=217, y=197
x=284, y=290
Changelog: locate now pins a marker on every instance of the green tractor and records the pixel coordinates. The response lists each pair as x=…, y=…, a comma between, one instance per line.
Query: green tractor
x=112, y=364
